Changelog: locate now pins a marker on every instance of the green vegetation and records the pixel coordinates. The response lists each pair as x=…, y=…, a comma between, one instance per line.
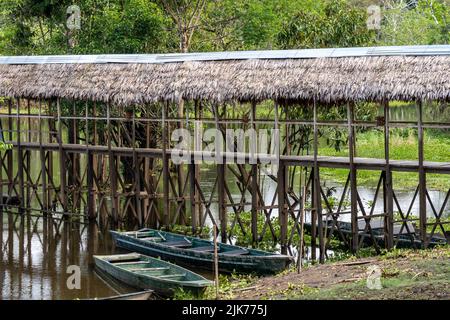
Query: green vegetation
x=404, y=146
x=426, y=276
x=405, y=274
x=227, y=285
x=144, y=26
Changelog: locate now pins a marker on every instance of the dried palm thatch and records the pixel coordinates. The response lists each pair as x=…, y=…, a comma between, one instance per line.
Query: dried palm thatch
x=328, y=80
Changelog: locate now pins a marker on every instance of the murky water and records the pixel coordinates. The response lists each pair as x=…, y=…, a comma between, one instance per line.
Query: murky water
x=36, y=253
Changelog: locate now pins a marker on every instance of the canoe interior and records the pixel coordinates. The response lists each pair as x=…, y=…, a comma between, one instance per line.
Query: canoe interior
x=155, y=268
x=193, y=244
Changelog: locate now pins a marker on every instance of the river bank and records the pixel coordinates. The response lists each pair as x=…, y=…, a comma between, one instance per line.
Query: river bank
x=405, y=274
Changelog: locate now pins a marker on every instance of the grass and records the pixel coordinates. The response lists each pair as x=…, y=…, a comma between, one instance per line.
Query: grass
x=227, y=285
x=403, y=146
x=405, y=274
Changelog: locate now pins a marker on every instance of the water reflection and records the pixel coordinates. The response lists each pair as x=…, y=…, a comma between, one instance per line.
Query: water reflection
x=35, y=254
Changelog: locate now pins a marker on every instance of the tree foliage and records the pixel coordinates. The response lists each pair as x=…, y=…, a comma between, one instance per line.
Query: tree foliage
x=144, y=26
x=336, y=24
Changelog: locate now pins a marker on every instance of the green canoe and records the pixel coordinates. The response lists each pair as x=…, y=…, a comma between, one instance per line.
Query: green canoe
x=145, y=273
x=197, y=252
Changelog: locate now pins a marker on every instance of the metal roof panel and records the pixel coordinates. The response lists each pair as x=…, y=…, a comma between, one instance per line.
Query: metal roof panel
x=232, y=55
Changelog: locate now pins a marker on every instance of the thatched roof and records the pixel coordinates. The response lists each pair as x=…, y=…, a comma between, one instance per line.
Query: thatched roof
x=328, y=79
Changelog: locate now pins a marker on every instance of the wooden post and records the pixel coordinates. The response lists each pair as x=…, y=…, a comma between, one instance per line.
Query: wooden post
x=51, y=130
x=45, y=199
x=28, y=157
x=90, y=186
x=302, y=228
x=388, y=193
x=254, y=210
x=20, y=158
x=112, y=169
x=317, y=195
x=282, y=208
x=91, y=212
x=137, y=175
x=216, y=262
x=9, y=152
x=221, y=172
x=422, y=178
x=180, y=171
x=198, y=210
x=192, y=193
x=62, y=161
x=353, y=186
x=254, y=173
x=165, y=160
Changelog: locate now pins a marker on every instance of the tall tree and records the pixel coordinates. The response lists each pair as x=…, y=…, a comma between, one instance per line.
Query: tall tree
x=425, y=22
x=185, y=15
x=336, y=24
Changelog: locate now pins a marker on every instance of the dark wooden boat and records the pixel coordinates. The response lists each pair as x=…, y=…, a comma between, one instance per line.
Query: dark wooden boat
x=142, y=272
x=200, y=253
x=142, y=295
x=402, y=238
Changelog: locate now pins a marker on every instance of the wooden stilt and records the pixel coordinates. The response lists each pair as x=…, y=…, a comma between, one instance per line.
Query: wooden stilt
x=422, y=177
x=353, y=187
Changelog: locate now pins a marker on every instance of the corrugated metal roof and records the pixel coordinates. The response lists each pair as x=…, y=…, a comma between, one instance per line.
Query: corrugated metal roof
x=233, y=55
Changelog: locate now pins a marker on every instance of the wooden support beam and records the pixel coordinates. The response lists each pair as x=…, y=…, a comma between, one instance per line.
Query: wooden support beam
x=388, y=188
x=192, y=194
x=199, y=125
x=51, y=129
x=112, y=168
x=137, y=175
x=317, y=200
x=42, y=157
x=254, y=210
x=29, y=182
x=221, y=173
x=165, y=161
x=353, y=186
x=282, y=206
x=92, y=213
x=180, y=170
x=422, y=177
x=254, y=181
x=20, y=158
x=62, y=161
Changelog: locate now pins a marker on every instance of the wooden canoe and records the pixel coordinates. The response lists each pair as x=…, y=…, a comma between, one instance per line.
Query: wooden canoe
x=142, y=272
x=142, y=295
x=200, y=253
x=402, y=239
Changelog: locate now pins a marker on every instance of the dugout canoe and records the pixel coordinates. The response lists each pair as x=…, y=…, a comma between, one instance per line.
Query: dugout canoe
x=143, y=272
x=198, y=252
